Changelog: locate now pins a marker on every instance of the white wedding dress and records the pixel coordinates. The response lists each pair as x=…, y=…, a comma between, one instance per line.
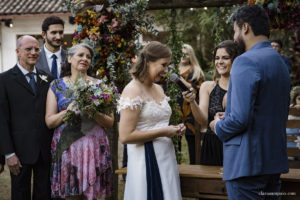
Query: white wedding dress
x=152, y=116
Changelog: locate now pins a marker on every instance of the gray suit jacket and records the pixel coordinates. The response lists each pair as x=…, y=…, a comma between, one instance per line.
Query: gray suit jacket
x=42, y=63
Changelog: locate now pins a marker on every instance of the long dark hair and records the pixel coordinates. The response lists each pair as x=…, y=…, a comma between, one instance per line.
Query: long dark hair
x=151, y=52
x=66, y=66
x=230, y=48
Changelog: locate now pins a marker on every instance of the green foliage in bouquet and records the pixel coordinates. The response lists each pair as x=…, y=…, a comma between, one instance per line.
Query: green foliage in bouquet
x=90, y=97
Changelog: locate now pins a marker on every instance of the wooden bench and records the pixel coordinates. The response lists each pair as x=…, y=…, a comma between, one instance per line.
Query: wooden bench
x=199, y=181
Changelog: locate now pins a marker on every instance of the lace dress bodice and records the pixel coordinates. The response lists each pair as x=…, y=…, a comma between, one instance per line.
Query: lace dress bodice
x=153, y=115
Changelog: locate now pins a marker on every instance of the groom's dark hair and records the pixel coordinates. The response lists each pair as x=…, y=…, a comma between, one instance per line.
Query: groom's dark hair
x=255, y=16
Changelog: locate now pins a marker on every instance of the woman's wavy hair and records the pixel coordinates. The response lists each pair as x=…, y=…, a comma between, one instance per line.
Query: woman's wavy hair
x=198, y=72
x=230, y=48
x=151, y=52
x=66, y=66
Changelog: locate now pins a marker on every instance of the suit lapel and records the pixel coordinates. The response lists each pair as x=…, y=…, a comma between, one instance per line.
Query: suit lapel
x=20, y=78
x=63, y=55
x=44, y=65
x=38, y=83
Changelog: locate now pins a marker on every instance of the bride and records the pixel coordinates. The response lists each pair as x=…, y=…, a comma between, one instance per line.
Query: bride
x=152, y=171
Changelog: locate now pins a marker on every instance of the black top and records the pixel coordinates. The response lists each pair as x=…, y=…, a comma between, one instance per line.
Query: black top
x=2, y=160
x=212, y=147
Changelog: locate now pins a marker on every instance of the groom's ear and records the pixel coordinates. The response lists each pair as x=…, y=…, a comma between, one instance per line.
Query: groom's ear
x=246, y=28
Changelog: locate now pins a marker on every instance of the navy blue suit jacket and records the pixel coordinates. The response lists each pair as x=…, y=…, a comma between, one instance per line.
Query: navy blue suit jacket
x=253, y=130
x=288, y=62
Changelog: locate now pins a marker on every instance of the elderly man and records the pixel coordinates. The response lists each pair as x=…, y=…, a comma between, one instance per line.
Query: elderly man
x=25, y=139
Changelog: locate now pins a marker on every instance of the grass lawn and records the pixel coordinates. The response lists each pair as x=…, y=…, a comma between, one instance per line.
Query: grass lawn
x=5, y=177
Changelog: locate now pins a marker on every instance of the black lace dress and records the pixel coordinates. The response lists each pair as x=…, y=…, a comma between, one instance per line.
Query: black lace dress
x=212, y=147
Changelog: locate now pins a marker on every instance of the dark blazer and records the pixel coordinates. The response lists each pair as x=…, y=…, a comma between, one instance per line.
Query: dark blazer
x=288, y=62
x=42, y=63
x=2, y=160
x=253, y=130
x=22, y=117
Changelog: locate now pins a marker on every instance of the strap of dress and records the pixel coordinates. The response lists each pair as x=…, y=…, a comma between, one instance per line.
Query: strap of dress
x=124, y=103
x=154, y=185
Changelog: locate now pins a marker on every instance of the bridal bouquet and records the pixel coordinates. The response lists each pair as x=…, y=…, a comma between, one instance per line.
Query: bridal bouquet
x=90, y=97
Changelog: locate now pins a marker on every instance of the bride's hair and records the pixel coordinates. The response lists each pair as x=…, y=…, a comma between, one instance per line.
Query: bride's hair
x=151, y=52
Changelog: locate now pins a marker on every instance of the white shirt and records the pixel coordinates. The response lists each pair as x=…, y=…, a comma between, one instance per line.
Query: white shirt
x=24, y=71
x=49, y=59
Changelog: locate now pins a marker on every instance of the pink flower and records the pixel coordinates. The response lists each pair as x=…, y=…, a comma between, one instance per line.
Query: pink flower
x=92, y=36
x=102, y=19
x=114, y=23
x=76, y=35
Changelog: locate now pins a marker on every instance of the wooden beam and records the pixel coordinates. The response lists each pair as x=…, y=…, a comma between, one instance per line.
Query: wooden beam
x=168, y=4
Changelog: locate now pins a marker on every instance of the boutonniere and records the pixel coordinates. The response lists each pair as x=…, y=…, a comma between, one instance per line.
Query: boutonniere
x=43, y=77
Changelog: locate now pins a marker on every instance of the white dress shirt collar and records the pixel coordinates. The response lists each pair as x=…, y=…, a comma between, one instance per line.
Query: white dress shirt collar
x=25, y=71
x=49, y=58
x=49, y=53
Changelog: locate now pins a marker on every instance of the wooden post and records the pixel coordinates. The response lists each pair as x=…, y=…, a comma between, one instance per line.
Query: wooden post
x=113, y=136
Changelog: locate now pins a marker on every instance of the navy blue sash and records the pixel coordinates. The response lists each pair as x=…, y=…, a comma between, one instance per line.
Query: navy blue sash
x=154, y=185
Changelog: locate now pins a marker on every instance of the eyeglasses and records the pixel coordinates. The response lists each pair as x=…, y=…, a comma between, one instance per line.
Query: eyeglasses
x=29, y=49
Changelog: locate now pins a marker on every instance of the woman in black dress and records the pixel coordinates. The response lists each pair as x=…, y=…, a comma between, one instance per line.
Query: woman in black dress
x=212, y=99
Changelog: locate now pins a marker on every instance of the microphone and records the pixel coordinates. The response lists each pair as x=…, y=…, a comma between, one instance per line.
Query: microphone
x=179, y=83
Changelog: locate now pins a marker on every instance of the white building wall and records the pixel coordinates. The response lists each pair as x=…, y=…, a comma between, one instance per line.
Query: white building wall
x=27, y=25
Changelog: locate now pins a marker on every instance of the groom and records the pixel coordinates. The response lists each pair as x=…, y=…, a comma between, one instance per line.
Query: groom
x=253, y=129
x=25, y=139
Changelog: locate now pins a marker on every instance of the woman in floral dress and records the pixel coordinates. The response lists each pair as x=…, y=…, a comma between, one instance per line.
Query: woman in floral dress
x=81, y=161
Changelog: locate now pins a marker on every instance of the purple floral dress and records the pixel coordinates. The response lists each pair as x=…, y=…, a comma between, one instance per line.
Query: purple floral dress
x=85, y=168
